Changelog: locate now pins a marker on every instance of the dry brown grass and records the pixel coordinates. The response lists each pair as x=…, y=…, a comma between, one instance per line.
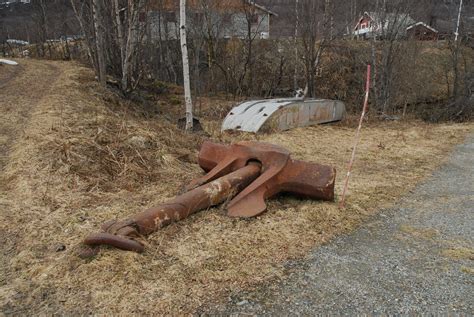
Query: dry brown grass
x=86, y=157
x=5, y=73
x=459, y=253
x=424, y=233
x=468, y=270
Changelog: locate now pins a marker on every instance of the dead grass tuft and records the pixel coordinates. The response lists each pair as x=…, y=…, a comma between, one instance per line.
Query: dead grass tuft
x=424, y=233
x=87, y=157
x=468, y=270
x=459, y=253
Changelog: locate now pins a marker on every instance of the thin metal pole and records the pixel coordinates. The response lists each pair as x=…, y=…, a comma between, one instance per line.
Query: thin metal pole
x=457, y=25
x=295, y=76
x=357, y=138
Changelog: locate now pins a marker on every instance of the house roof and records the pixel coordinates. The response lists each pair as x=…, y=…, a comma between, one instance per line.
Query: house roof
x=261, y=7
x=390, y=17
x=423, y=24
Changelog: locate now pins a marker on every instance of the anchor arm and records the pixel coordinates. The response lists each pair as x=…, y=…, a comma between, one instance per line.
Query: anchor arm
x=307, y=179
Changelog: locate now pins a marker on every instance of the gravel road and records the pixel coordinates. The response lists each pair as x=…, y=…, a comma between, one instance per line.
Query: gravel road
x=416, y=257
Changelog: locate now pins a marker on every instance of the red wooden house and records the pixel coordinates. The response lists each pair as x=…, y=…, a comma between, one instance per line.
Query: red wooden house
x=379, y=24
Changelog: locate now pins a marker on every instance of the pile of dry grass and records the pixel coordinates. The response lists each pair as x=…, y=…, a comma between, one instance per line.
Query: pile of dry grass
x=84, y=160
x=113, y=149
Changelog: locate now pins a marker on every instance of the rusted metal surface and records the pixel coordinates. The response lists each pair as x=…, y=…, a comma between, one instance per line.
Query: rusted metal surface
x=279, y=174
x=250, y=171
x=126, y=233
x=282, y=114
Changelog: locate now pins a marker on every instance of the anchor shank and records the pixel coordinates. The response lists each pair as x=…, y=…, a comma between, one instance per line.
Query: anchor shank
x=120, y=233
x=207, y=195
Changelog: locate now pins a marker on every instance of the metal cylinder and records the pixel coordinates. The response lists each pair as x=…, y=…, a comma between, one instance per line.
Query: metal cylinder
x=120, y=233
x=205, y=196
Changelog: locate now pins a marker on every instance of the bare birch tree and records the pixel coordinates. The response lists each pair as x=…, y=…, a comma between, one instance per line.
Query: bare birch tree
x=129, y=34
x=114, y=32
x=184, y=53
x=313, y=37
x=80, y=12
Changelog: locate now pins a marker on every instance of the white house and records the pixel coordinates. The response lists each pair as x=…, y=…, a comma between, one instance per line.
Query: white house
x=225, y=19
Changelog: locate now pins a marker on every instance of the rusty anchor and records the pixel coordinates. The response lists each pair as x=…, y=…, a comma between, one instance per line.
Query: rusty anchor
x=247, y=172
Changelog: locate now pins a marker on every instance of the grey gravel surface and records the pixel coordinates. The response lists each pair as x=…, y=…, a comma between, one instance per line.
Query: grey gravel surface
x=416, y=257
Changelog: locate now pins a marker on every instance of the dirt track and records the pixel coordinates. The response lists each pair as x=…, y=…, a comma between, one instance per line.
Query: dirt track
x=21, y=88
x=8, y=73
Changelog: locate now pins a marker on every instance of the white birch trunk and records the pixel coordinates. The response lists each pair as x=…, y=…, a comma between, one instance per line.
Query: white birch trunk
x=184, y=53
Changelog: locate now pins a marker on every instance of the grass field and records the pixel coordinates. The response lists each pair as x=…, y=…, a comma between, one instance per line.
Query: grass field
x=78, y=156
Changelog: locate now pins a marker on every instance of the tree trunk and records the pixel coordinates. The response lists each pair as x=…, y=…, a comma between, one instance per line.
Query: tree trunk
x=375, y=76
x=309, y=90
x=455, y=60
x=99, y=41
x=89, y=49
x=128, y=45
x=132, y=42
x=121, y=41
x=44, y=28
x=184, y=53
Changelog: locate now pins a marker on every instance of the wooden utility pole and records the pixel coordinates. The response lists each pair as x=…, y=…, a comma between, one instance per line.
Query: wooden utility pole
x=99, y=41
x=184, y=53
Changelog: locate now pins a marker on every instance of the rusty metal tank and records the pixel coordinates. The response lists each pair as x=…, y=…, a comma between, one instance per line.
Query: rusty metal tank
x=282, y=114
